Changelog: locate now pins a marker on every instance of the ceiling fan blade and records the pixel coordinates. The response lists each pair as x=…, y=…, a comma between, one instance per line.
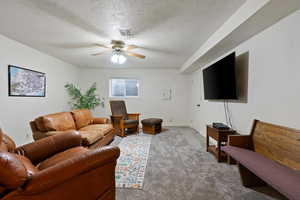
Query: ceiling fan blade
x=130, y=47
x=98, y=54
x=135, y=55
x=117, y=42
x=103, y=46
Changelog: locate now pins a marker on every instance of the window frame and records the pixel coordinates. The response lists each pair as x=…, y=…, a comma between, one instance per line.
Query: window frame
x=124, y=97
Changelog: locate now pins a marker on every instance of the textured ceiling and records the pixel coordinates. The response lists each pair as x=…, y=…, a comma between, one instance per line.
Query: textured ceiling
x=168, y=31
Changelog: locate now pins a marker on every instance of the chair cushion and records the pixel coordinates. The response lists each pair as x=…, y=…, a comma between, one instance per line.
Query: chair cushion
x=152, y=121
x=118, y=108
x=59, y=122
x=282, y=178
x=57, y=158
x=131, y=121
x=82, y=117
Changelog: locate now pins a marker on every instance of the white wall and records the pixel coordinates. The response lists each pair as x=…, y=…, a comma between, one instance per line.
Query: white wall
x=273, y=86
x=16, y=112
x=149, y=104
x=273, y=82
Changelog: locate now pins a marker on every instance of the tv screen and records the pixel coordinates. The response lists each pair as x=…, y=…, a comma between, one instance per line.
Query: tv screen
x=219, y=79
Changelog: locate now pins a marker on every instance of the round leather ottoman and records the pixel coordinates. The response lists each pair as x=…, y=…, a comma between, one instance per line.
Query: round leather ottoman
x=152, y=125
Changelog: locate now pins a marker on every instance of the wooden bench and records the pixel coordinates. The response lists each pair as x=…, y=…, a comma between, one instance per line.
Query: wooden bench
x=269, y=155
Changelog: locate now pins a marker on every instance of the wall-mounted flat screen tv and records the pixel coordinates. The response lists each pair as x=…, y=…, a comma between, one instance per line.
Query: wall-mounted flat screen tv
x=219, y=80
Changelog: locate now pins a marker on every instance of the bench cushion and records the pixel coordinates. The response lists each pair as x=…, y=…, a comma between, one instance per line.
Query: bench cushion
x=282, y=178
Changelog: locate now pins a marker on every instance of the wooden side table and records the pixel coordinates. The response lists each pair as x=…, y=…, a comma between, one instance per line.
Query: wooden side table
x=221, y=137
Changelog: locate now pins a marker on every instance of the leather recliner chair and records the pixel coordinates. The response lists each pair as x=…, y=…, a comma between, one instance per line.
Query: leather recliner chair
x=56, y=168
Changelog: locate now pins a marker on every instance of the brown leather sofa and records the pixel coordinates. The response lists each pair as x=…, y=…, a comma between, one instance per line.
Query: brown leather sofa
x=96, y=132
x=56, y=168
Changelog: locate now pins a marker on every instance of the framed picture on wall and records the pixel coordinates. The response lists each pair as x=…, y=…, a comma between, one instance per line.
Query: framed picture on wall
x=25, y=82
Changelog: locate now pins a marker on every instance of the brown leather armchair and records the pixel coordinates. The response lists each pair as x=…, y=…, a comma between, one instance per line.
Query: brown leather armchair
x=56, y=167
x=122, y=120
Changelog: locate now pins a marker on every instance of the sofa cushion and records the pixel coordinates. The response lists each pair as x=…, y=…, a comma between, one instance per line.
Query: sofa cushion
x=12, y=171
x=282, y=178
x=59, y=122
x=57, y=158
x=104, y=129
x=51, y=133
x=82, y=117
x=90, y=137
x=30, y=168
x=92, y=133
x=6, y=143
x=39, y=122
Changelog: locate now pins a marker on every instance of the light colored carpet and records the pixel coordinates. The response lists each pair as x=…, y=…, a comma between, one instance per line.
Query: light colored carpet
x=132, y=163
x=179, y=168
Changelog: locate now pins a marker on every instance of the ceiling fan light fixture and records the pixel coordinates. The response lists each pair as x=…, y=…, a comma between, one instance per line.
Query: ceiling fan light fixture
x=118, y=58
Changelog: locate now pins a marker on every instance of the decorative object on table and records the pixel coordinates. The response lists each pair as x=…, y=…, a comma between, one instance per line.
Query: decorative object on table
x=25, y=82
x=220, y=126
x=221, y=136
x=152, y=125
x=90, y=100
x=132, y=163
x=166, y=94
x=122, y=120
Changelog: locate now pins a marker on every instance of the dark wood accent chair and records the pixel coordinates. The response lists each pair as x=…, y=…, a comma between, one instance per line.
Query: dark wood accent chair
x=269, y=155
x=122, y=120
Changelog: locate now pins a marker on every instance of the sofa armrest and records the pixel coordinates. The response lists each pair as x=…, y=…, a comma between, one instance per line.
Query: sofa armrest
x=242, y=141
x=100, y=120
x=133, y=116
x=47, y=147
x=71, y=168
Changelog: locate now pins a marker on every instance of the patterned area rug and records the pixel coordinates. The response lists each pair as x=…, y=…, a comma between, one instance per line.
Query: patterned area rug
x=132, y=163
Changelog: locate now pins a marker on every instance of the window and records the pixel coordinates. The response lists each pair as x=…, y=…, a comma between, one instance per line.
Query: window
x=124, y=87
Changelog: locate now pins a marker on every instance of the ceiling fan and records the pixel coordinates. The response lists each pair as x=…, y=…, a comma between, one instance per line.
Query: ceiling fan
x=119, y=48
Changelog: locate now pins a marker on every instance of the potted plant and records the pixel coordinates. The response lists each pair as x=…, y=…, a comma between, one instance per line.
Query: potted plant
x=88, y=100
